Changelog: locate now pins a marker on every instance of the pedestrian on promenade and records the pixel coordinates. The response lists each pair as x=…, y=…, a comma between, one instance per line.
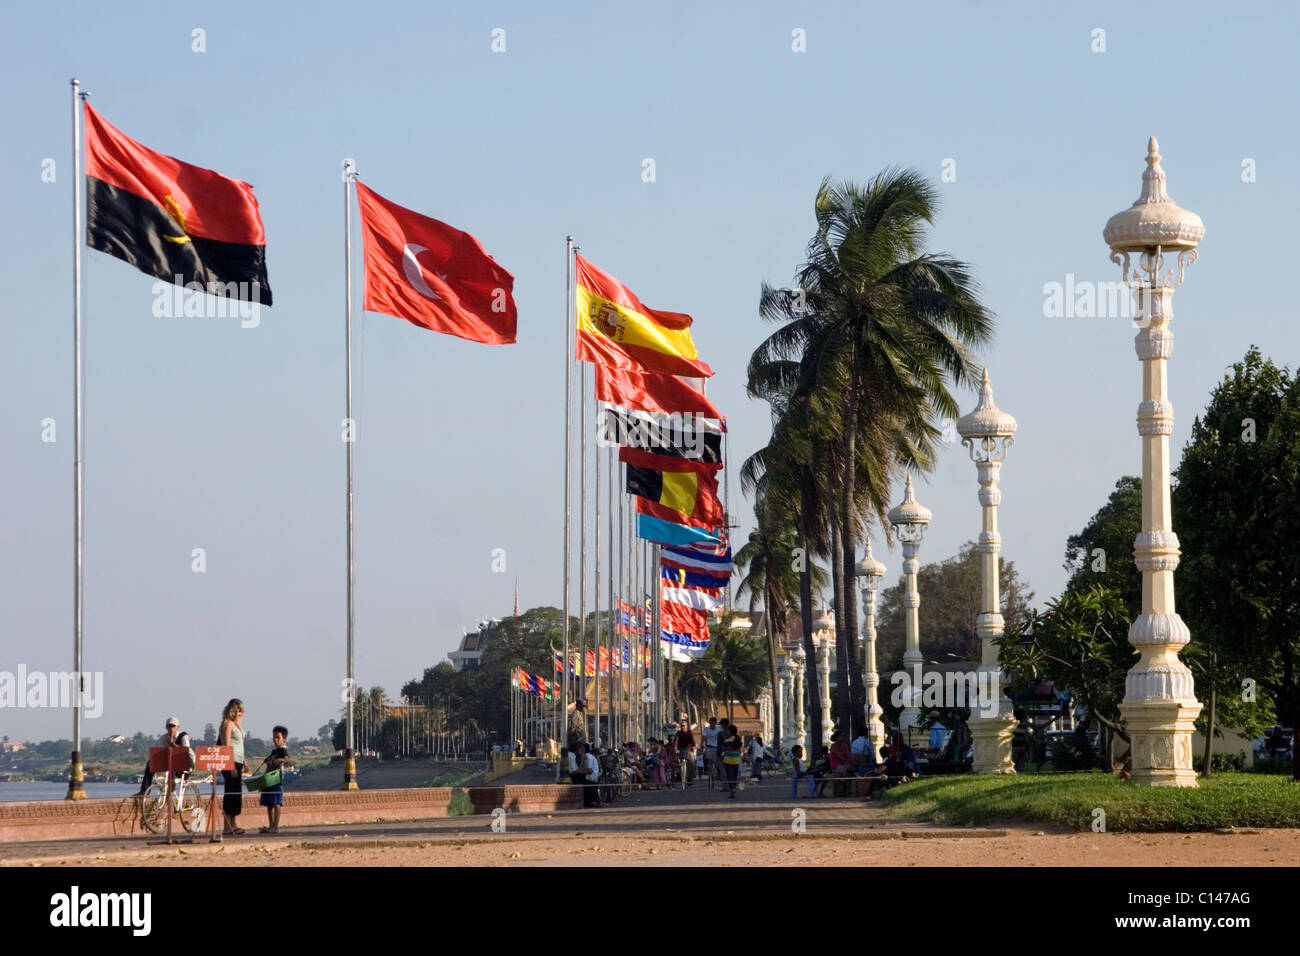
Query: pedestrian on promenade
x=711, y=734
x=730, y=747
x=273, y=797
x=685, y=743
x=841, y=763
x=231, y=735
x=757, y=754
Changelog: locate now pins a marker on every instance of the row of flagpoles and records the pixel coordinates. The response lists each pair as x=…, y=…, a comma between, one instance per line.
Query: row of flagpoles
x=671, y=447
x=187, y=224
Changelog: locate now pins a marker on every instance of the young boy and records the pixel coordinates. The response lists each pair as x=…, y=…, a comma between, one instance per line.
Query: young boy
x=273, y=797
x=800, y=772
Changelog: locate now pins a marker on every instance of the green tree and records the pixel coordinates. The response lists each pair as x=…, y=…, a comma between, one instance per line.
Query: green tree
x=950, y=604
x=209, y=734
x=1102, y=553
x=878, y=329
x=771, y=576
x=1235, y=513
x=1079, y=642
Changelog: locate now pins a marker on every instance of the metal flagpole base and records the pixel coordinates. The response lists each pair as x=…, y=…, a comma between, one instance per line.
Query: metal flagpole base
x=76, y=779
x=349, y=772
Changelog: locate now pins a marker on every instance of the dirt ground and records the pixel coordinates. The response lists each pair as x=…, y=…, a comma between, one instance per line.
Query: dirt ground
x=1017, y=848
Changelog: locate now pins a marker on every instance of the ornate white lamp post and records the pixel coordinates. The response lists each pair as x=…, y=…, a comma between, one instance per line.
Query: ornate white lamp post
x=871, y=571
x=798, y=660
x=1160, y=703
x=988, y=432
x=824, y=639
x=910, y=520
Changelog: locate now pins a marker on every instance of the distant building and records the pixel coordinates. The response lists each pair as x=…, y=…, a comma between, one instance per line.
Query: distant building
x=115, y=739
x=470, y=653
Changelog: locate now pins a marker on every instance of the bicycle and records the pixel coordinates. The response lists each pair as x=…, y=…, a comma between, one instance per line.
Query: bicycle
x=609, y=782
x=186, y=802
x=684, y=759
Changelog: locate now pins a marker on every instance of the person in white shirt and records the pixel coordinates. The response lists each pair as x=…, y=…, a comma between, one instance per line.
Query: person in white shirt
x=757, y=754
x=584, y=771
x=711, y=734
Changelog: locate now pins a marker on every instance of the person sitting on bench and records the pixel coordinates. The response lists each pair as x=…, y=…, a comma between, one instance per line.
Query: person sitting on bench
x=800, y=772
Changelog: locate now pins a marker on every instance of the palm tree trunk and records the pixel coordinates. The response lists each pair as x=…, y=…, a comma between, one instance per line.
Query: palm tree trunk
x=841, y=710
x=806, y=610
x=849, y=611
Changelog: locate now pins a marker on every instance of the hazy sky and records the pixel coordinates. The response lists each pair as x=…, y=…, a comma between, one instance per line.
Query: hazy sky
x=203, y=434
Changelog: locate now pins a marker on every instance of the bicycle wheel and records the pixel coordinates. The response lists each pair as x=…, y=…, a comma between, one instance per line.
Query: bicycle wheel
x=193, y=809
x=625, y=785
x=153, y=808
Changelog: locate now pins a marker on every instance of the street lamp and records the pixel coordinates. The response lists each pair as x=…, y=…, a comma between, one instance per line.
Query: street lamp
x=798, y=660
x=871, y=571
x=1160, y=704
x=910, y=520
x=824, y=641
x=988, y=432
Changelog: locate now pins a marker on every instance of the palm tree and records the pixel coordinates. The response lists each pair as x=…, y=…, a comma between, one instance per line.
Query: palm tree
x=877, y=330
x=772, y=579
x=742, y=668
x=792, y=487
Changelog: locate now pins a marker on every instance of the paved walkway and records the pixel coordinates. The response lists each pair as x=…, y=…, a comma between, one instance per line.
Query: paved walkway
x=762, y=810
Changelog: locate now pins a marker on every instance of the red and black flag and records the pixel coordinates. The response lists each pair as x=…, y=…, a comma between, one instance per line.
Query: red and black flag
x=172, y=220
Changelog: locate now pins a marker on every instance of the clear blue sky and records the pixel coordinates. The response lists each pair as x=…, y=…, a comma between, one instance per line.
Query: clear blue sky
x=203, y=434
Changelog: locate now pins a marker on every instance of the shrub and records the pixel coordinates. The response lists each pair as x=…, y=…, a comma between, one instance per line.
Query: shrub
x=1221, y=763
x=1071, y=753
x=459, y=805
x=1271, y=765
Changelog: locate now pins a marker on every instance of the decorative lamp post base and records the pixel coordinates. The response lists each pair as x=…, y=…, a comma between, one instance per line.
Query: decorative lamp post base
x=1160, y=735
x=991, y=737
x=76, y=779
x=349, y=772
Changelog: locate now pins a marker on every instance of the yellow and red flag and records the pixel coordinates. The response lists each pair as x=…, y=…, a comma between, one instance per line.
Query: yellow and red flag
x=616, y=330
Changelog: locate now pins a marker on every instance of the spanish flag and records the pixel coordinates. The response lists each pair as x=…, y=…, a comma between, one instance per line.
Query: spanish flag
x=615, y=329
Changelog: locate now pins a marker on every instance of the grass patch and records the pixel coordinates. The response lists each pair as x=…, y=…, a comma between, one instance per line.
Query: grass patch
x=1225, y=800
x=459, y=805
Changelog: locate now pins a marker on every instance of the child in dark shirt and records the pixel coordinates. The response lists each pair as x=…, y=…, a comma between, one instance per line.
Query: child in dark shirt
x=273, y=797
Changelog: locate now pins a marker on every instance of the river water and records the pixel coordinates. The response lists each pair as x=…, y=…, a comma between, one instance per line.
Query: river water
x=42, y=790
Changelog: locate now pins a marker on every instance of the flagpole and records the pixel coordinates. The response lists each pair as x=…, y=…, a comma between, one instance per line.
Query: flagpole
x=595, y=627
x=582, y=543
x=566, y=672
x=76, y=776
x=350, y=434
x=615, y=718
x=620, y=595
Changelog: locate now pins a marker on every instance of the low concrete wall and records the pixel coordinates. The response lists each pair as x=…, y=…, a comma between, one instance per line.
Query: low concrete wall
x=505, y=764
x=85, y=819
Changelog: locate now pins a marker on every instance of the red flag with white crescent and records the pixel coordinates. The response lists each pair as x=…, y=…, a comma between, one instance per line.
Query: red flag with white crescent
x=433, y=275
